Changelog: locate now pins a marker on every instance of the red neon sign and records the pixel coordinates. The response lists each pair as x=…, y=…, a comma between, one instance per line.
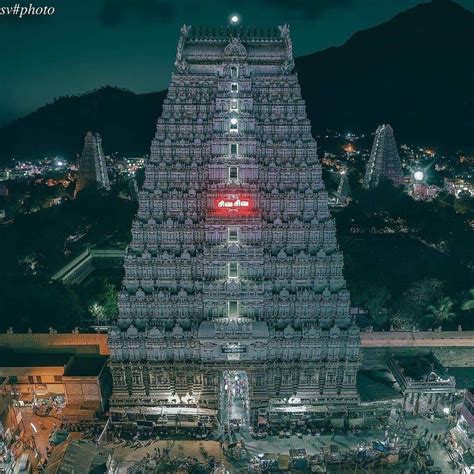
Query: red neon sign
x=231, y=204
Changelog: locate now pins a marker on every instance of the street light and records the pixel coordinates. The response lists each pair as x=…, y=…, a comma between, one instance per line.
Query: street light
x=418, y=175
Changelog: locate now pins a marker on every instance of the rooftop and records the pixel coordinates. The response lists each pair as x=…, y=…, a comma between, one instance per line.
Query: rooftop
x=225, y=33
x=77, y=456
x=33, y=359
x=420, y=366
x=86, y=365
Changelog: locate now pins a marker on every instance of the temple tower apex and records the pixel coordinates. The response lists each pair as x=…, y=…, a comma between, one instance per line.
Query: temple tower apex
x=92, y=168
x=234, y=272
x=384, y=161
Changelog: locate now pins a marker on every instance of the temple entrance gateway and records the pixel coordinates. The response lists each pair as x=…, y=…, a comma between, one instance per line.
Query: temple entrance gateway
x=234, y=261
x=234, y=404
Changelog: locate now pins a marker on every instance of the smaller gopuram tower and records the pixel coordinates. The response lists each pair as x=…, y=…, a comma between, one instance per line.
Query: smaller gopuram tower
x=384, y=161
x=92, y=167
x=343, y=193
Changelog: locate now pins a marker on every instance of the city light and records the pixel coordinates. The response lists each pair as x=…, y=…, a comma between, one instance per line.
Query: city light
x=418, y=175
x=349, y=148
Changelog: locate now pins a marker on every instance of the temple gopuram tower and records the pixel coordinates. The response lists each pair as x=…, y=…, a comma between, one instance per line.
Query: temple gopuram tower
x=384, y=161
x=234, y=267
x=92, y=168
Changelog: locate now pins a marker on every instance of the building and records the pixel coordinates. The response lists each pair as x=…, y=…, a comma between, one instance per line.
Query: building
x=458, y=187
x=82, y=379
x=78, y=456
x=384, y=161
x=234, y=267
x=464, y=430
x=80, y=268
x=424, y=191
x=424, y=384
x=10, y=421
x=92, y=168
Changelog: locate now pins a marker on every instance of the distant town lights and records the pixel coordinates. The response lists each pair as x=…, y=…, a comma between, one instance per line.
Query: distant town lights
x=418, y=175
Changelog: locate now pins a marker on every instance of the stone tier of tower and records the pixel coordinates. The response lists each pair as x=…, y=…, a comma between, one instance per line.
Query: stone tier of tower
x=384, y=161
x=92, y=168
x=234, y=263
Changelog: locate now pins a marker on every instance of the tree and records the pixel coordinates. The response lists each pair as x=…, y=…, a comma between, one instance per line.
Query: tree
x=102, y=301
x=110, y=301
x=410, y=306
x=469, y=302
x=375, y=298
x=441, y=313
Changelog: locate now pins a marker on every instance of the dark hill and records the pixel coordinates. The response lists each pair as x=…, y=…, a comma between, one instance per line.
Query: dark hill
x=125, y=120
x=415, y=71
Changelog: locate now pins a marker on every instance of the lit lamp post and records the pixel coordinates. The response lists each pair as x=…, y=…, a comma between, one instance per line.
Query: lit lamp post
x=418, y=175
x=33, y=437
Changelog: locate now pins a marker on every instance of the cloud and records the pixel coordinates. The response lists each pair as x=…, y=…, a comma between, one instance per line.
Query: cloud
x=310, y=9
x=115, y=12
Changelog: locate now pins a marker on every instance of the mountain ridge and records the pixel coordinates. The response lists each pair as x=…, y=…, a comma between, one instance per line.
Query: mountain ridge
x=414, y=71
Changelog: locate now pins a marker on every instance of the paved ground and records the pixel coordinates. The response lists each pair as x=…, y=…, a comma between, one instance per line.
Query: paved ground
x=127, y=456
x=437, y=451
x=43, y=424
x=312, y=444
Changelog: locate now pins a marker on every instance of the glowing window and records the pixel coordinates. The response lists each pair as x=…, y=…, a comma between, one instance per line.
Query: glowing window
x=233, y=173
x=234, y=87
x=233, y=309
x=233, y=234
x=234, y=105
x=234, y=125
x=233, y=270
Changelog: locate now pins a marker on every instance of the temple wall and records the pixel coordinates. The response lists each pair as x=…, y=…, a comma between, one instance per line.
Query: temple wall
x=452, y=348
x=69, y=343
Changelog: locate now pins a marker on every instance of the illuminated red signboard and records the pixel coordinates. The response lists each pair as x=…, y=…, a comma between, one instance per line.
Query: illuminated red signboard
x=233, y=204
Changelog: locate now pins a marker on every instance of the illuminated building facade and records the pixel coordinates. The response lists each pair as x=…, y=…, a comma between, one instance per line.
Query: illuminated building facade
x=92, y=168
x=384, y=161
x=234, y=263
x=464, y=430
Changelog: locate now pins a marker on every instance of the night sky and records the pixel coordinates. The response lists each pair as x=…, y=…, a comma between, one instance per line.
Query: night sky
x=132, y=43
